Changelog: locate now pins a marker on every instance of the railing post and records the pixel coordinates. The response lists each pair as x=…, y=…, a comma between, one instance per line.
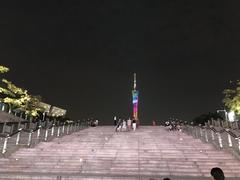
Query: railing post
x=67, y=128
x=18, y=137
x=206, y=135
x=201, y=132
x=39, y=131
x=238, y=144
x=196, y=132
x=220, y=140
x=229, y=138
x=4, y=149
x=52, y=129
x=63, y=128
x=29, y=138
x=46, y=134
x=236, y=124
x=58, y=131
x=212, y=133
x=229, y=141
x=70, y=128
x=213, y=122
x=4, y=127
x=75, y=127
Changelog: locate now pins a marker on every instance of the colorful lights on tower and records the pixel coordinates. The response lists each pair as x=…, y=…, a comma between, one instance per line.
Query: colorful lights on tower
x=135, y=94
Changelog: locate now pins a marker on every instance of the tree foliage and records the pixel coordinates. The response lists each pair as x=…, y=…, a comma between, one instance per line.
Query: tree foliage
x=18, y=98
x=232, y=98
x=15, y=97
x=205, y=117
x=3, y=69
x=32, y=106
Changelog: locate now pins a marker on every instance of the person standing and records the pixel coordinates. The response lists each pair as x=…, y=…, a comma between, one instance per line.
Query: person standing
x=124, y=125
x=154, y=123
x=129, y=124
x=134, y=124
x=115, y=120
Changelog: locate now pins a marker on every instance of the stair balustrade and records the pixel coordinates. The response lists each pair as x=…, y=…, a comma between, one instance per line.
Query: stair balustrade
x=221, y=138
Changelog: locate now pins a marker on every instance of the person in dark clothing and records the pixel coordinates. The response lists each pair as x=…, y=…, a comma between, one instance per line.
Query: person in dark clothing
x=115, y=120
x=217, y=174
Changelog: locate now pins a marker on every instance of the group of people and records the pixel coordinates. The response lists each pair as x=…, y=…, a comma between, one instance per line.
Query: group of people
x=125, y=125
x=174, y=125
x=93, y=122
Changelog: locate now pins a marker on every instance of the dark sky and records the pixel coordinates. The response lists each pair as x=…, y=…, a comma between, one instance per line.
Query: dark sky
x=81, y=55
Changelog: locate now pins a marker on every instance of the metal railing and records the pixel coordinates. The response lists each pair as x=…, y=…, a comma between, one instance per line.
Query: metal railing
x=28, y=137
x=221, y=138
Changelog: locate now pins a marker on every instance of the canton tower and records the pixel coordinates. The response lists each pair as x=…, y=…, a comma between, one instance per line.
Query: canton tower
x=135, y=94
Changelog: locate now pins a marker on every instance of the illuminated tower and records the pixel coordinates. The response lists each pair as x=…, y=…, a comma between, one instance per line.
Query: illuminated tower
x=135, y=99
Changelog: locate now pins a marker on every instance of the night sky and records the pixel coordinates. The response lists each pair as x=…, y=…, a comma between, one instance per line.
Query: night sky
x=81, y=55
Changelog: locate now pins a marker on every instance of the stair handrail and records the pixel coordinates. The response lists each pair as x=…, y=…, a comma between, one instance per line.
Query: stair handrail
x=216, y=137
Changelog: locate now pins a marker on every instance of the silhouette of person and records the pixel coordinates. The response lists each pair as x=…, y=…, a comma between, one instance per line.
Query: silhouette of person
x=217, y=174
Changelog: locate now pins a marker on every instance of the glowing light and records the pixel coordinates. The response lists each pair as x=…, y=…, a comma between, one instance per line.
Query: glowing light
x=231, y=116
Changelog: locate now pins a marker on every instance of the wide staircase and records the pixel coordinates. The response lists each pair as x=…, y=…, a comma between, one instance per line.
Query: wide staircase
x=101, y=153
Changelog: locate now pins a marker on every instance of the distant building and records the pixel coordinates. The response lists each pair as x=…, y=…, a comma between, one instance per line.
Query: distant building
x=53, y=110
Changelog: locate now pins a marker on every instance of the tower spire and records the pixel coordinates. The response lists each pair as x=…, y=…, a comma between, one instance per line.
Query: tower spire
x=135, y=81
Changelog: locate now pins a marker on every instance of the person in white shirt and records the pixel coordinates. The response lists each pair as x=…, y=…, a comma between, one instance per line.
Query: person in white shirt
x=134, y=124
x=124, y=125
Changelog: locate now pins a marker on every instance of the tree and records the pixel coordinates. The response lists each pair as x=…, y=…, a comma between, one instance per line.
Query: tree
x=205, y=117
x=14, y=96
x=32, y=107
x=3, y=69
x=232, y=98
x=18, y=98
